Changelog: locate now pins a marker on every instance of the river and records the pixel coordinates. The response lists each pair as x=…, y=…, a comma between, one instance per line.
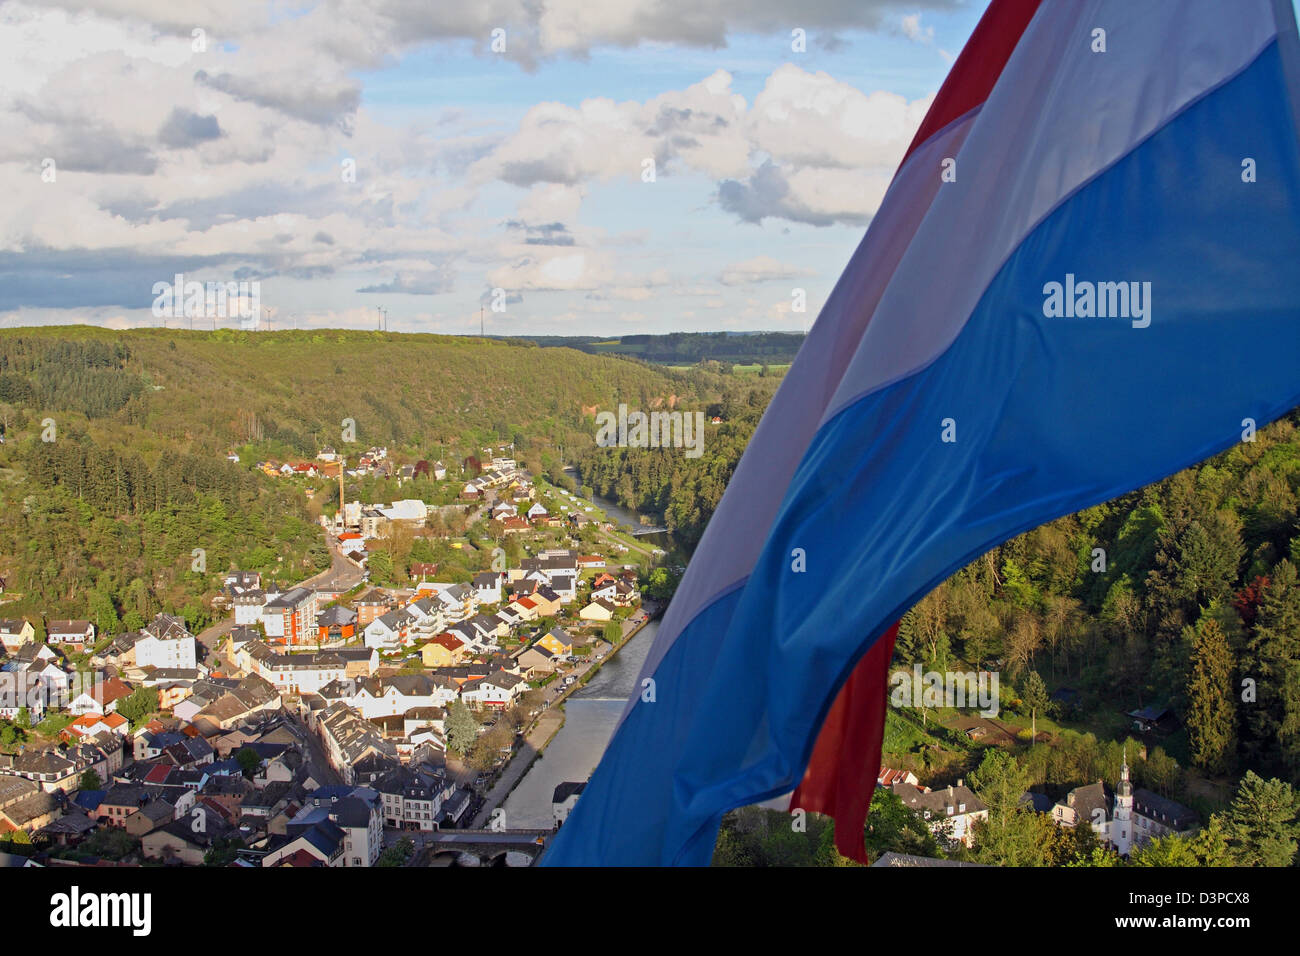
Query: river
x=625, y=517
x=590, y=716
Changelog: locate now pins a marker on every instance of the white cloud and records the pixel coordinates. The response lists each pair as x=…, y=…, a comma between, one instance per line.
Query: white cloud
x=913, y=30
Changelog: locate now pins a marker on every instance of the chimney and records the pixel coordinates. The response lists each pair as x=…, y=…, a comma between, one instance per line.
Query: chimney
x=959, y=781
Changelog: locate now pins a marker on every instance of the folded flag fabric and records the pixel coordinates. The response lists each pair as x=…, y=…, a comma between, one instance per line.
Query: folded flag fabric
x=1081, y=280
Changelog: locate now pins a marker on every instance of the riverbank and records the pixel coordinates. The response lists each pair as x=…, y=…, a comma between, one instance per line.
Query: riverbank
x=549, y=724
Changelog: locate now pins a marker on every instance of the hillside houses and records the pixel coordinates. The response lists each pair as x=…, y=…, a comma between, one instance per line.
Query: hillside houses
x=15, y=633
x=73, y=635
x=376, y=520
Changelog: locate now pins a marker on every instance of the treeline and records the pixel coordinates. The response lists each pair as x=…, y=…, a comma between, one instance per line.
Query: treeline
x=102, y=534
x=689, y=348
x=122, y=483
x=103, y=506
x=290, y=392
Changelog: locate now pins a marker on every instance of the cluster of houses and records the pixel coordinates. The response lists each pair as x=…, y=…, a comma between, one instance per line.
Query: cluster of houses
x=222, y=760
x=364, y=682
x=182, y=795
x=443, y=621
x=1124, y=817
x=328, y=464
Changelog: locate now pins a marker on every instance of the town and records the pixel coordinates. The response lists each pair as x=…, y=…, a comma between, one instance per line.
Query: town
x=337, y=721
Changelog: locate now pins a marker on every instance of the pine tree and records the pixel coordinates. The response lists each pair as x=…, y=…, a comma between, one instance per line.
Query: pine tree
x=462, y=728
x=1211, y=715
x=1271, y=651
x=1261, y=825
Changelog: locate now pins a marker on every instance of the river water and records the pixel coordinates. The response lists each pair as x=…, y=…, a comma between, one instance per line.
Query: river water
x=590, y=716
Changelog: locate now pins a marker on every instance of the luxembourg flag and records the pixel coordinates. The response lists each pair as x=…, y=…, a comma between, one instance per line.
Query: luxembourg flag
x=1084, y=277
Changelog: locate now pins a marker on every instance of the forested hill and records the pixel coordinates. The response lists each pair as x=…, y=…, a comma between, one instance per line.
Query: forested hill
x=114, y=463
x=215, y=390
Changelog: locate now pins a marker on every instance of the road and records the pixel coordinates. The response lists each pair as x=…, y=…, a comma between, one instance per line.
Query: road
x=341, y=575
x=210, y=639
x=318, y=766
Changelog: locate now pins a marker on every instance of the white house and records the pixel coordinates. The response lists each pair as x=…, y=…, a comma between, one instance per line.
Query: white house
x=564, y=799
x=951, y=812
x=496, y=690
x=81, y=633
x=487, y=587
x=248, y=606
x=393, y=696
x=166, y=642
x=385, y=633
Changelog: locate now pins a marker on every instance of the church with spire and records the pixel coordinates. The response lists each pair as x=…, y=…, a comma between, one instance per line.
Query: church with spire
x=1124, y=817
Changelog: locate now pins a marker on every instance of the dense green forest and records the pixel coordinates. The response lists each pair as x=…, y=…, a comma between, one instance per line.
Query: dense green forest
x=663, y=481
x=1182, y=594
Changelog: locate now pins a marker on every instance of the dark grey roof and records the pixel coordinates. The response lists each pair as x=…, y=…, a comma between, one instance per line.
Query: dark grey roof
x=1086, y=799
x=567, y=789
x=938, y=801
x=1171, y=813
x=338, y=615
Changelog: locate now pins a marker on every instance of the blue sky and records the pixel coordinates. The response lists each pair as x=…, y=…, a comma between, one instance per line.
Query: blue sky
x=475, y=170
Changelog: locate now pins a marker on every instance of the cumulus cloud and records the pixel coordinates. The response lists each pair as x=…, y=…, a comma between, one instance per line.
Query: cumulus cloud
x=810, y=149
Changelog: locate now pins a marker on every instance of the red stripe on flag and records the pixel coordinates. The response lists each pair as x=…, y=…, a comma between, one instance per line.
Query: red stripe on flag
x=841, y=775
x=979, y=65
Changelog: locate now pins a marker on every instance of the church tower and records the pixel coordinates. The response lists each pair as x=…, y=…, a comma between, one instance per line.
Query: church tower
x=1121, y=828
